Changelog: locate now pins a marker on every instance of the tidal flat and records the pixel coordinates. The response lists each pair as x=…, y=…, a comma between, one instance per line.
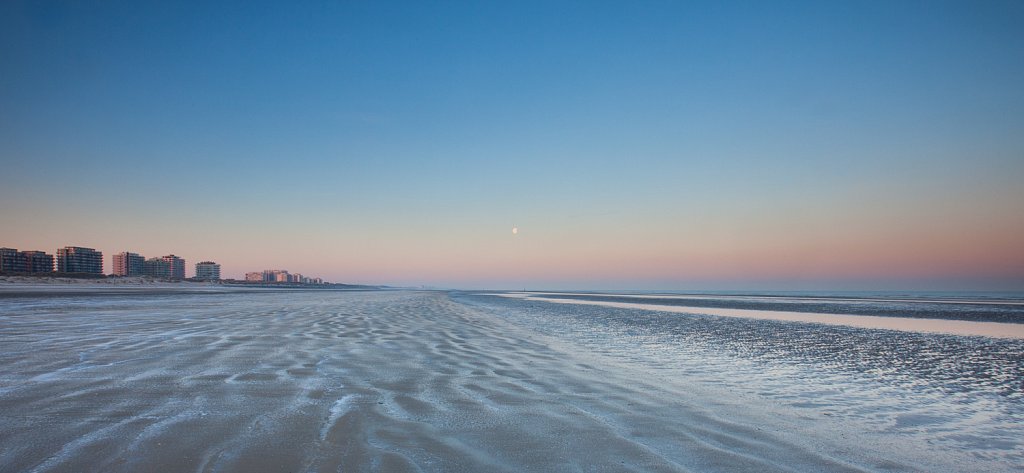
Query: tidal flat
x=449, y=381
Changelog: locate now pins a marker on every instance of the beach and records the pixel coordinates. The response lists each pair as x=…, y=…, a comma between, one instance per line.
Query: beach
x=379, y=381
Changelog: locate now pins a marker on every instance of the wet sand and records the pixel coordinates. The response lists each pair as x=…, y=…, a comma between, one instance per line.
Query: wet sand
x=361, y=381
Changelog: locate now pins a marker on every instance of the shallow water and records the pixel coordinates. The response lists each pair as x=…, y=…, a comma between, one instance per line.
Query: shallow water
x=957, y=395
x=907, y=324
x=428, y=381
x=966, y=306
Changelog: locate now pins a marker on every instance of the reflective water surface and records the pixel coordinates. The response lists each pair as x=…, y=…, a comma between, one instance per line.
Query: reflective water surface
x=910, y=324
x=960, y=394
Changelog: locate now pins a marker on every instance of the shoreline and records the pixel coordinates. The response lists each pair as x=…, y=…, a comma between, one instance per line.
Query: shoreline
x=57, y=285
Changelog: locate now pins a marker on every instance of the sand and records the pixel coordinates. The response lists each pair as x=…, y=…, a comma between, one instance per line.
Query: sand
x=353, y=381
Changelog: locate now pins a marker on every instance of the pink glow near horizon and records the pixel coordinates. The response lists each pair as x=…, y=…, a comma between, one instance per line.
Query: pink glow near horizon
x=848, y=242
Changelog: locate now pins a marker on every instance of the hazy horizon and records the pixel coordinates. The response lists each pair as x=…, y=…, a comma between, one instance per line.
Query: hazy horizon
x=653, y=145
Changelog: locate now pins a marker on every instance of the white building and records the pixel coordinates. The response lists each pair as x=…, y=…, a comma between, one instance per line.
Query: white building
x=208, y=270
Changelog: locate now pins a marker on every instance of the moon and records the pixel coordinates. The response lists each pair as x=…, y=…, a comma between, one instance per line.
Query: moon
x=515, y=230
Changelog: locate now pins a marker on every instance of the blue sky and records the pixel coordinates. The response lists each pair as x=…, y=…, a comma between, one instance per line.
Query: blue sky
x=640, y=144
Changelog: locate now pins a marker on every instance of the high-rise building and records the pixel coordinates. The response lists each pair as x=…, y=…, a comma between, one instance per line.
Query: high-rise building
x=11, y=261
x=75, y=259
x=37, y=261
x=128, y=264
x=157, y=268
x=275, y=275
x=177, y=266
x=208, y=270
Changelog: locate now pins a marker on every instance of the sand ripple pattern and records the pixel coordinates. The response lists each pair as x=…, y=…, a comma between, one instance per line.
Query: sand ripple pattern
x=335, y=381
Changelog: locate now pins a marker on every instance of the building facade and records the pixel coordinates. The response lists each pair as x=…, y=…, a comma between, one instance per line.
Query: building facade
x=128, y=264
x=76, y=259
x=254, y=276
x=14, y=261
x=11, y=261
x=156, y=268
x=177, y=266
x=37, y=261
x=208, y=270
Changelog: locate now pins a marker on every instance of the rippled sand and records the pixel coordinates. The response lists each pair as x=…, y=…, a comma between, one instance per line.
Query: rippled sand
x=332, y=381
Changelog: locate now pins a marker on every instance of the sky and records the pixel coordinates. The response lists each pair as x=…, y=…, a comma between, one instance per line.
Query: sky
x=671, y=145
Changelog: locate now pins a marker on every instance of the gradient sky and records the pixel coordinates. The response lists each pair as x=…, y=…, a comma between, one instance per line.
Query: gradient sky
x=645, y=145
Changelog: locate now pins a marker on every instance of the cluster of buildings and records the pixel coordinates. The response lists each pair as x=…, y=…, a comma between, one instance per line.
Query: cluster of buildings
x=70, y=259
x=25, y=261
x=280, y=275
x=76, y=259
x=169, y=267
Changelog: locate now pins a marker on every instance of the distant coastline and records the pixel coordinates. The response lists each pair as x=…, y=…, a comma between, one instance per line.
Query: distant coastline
x=43, y=282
